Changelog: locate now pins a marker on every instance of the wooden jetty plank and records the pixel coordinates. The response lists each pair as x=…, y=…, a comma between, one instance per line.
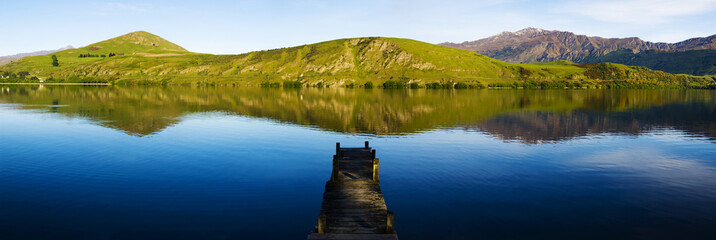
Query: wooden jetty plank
x=353, y=206
x=316, y=236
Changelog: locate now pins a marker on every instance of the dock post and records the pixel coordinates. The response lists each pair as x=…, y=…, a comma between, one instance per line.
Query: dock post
x=335, y=172
x=366, y=145
x=375, y=169
x=338, y=149
x=373, y=153
x=390, y=223
x=321, y=223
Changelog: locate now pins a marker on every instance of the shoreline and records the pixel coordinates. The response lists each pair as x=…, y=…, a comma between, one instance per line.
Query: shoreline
x=644, y=86
x=88, y=84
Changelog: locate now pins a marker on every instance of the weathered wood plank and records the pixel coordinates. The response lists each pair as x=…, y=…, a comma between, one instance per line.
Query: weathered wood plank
x=315, y=236
x=353, y=206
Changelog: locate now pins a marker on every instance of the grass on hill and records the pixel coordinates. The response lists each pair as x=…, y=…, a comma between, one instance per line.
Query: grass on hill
x=144, y=58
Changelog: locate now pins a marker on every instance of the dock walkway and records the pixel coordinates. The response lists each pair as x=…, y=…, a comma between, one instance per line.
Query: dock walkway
x=353, y=206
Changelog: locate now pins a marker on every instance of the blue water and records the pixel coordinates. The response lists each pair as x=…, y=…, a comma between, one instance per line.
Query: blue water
x=218, y=175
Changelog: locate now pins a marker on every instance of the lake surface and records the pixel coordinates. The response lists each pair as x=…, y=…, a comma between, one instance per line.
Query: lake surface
x=81, y=162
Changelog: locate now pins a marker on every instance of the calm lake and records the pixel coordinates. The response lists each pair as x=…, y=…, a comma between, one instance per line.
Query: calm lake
x=102, y=162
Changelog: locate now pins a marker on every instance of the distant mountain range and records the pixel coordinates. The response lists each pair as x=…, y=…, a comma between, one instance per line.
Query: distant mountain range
x=693, y=56
x=7, y=59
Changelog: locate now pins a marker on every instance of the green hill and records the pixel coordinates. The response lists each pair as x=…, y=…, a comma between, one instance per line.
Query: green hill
x=135, y=44
x=141, y=57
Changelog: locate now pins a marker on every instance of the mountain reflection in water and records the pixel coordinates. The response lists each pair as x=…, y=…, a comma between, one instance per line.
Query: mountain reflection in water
x=695, y=118
x=530, y=116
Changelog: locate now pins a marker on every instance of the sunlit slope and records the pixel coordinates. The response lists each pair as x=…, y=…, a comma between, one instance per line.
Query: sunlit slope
x=131, y=45
x=148, y=58
x=378, y=60
x=355, y=59
x=370, y=58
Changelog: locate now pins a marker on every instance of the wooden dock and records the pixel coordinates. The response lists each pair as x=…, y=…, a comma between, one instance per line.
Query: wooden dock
x=353, y=206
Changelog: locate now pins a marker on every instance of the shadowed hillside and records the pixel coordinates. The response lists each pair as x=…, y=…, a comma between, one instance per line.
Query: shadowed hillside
x=695, y=62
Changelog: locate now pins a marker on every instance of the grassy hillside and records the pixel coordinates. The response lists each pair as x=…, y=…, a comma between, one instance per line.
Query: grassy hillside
x=133, y=45
x=145, y=58
x=695, y=62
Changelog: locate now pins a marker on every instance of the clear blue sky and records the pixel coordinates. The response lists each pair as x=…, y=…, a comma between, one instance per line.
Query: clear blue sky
x=243, y=26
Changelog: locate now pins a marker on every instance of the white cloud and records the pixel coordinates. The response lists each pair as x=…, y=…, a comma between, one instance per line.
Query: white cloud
x=125, y=7
x=638, y=11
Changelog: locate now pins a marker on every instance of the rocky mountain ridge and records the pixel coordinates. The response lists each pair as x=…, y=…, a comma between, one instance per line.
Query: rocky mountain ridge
x=539, y=45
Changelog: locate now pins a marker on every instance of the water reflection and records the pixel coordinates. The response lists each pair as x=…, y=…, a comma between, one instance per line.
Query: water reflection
x=695, y=118
x=530, y=116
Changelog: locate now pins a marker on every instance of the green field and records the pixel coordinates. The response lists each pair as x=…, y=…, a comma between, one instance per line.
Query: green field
x=144, y=58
